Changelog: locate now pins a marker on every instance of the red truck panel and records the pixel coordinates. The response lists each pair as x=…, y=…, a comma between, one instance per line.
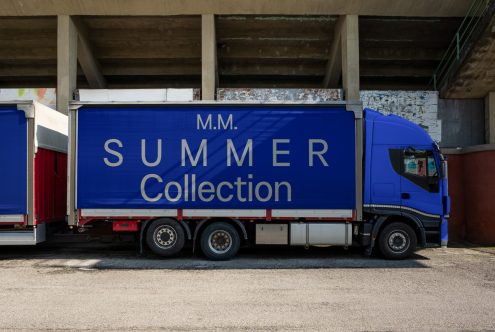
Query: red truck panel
x=50, y=186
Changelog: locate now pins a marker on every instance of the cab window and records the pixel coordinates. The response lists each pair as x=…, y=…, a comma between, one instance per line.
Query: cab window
x=419, y=167
x=420, y=163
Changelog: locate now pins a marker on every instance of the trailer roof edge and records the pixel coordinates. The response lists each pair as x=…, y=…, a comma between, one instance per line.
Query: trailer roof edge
x=234, y=102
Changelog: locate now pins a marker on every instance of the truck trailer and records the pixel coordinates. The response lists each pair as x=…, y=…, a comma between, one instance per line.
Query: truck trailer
x=33, y=171
x=220, y=175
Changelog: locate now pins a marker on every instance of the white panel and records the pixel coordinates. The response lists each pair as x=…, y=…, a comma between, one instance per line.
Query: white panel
x=330, y=234
x=23, y=238
x=122, y=95
x=129, y=213
x=52, y=128
x=42, y=95
x=320, y=234
x=135, y=95
x=272, y=234
x=180, y=94
x=51, y=119
x=11, y=218
x=298, y=234
x=311, y=213
x=223, y=213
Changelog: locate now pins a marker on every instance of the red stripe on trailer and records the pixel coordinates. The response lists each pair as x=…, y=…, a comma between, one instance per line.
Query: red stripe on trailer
x=125, y=225
x=180, y=214
x=50, y=186
x=268, y=214
x=85, y=220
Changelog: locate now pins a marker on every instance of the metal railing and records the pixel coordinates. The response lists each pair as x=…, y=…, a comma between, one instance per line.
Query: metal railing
x=452, y=55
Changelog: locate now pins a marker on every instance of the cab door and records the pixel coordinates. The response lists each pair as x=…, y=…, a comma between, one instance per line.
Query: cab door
x=420, y=181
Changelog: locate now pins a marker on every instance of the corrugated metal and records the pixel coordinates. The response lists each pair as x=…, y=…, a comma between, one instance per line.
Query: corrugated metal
x=50, y=186
x=471, y=191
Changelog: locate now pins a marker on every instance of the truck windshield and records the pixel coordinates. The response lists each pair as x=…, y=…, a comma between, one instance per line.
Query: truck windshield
x=420, y=167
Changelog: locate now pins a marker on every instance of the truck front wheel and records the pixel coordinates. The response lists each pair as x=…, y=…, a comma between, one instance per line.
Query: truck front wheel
x=220, y=241
x=397, y=241
x=165, y=237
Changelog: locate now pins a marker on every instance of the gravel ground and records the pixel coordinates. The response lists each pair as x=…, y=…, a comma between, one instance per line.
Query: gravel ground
x=113, y=288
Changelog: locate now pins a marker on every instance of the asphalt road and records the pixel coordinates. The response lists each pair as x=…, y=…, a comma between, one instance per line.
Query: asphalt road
x=112, y=288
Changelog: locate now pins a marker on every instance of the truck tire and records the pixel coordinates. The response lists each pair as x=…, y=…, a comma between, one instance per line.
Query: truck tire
x=397, y=241
x=165, y=237
x=220, y=241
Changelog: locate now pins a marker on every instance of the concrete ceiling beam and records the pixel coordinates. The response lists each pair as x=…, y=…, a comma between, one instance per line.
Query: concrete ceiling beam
x=307, y=50
x=399, y=54
x=429, y=8
x=89, y=64
x=283, y=69
x=404, y=71
x=27, y=70
x=29, y=53
x=333, y=71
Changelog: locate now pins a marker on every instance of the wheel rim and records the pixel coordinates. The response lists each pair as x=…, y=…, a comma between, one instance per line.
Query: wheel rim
x=220, y=242
x=398, y=241
x=165, y=236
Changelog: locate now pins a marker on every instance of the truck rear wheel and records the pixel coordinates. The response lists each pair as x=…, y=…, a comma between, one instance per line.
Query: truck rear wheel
x=165, y=237
x=397, y=241
x=220, y=241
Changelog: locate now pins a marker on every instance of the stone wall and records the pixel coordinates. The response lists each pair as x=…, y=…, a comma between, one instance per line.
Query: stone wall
x=451, y=122
x=308, y=95
x=420, y=107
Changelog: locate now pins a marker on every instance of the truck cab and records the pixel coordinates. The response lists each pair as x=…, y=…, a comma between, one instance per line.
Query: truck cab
x=405, y=197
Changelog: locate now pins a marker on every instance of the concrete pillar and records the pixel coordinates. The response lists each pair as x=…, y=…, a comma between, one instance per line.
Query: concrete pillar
x=208, y=57
x=66, y=61
x=490, y=118
x=350, y=57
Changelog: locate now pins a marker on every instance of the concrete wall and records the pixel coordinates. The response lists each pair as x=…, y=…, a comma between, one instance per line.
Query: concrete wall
x=452, y=123
x=472, y=190
x=444, y=8
x=463, y=122
x=43, y=95
x=310, y=95
x=420, y=107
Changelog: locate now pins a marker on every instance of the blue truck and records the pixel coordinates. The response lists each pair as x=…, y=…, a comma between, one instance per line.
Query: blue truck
x=218, y=176
x=33, y=171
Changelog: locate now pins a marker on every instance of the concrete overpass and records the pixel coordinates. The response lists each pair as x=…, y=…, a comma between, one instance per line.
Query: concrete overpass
x=422, y=8
x=369, y=44
x=472, y=74
x=348, y=44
